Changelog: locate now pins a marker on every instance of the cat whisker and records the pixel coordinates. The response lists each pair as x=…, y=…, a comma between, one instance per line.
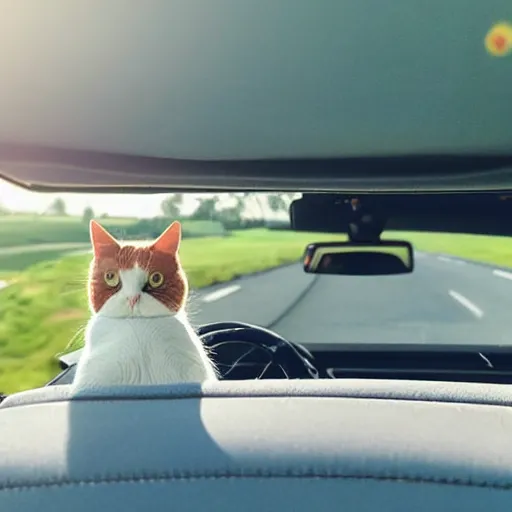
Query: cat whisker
x=70, y=292
x=267, y=366
x=250, y=351
x=80, y=331
x=193, y=305
x=78, y=283
x=284, y=371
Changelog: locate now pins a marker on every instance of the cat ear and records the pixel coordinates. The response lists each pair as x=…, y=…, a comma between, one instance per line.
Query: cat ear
x=169, y=240
x=101, y=239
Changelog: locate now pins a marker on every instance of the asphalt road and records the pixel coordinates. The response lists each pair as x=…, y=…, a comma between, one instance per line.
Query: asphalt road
x=445, y=300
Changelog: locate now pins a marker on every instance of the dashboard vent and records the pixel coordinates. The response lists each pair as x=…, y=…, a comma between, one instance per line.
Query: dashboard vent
x=492, y=367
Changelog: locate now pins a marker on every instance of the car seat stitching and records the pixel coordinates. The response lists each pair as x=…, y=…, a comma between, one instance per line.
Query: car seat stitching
x=488, y=401
x=177, y=477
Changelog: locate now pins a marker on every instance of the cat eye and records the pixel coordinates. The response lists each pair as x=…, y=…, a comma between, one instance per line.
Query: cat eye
x=156, y=279
x=111, y=278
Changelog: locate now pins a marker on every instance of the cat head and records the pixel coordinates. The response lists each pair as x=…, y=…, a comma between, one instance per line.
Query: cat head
x=132, y=281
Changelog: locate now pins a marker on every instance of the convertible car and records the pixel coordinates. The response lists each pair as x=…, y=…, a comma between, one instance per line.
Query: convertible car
x=382, y=117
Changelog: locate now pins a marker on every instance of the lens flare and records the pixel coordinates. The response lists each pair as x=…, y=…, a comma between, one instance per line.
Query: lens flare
x=498, y=40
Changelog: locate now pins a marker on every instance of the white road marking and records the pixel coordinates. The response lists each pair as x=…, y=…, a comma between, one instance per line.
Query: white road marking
x=466, y=303
x=219, y=294
x=451, y=260
x=502, y=273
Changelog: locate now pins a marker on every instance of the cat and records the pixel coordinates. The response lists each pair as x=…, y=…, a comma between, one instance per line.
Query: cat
x=139, y=333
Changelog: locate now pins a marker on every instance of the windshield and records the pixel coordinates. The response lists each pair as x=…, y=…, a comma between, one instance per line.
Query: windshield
x=244, y=263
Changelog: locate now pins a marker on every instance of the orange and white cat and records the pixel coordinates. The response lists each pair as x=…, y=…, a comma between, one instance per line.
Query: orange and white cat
x=139, y=333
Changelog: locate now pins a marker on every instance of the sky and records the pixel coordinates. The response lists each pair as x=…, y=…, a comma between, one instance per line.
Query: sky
x=124, y=205
x=16, y=199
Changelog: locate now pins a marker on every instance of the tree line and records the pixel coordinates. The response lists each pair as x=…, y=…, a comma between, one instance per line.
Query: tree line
x=234, y=211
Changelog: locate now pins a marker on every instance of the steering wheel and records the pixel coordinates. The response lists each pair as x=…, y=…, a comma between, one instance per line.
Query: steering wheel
x=295, y=361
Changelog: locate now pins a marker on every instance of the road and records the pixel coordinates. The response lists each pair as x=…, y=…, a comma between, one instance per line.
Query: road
x=445, y=300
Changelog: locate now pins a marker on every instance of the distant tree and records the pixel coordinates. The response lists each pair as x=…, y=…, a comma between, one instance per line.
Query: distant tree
x=206, y=209
x=88, y=214
x=231, y=215
x=104, y=216
x=247, y=202
x=254, y=208
x=58, y=207
x=178, y=199
x=4, y=210
x=171, y=205
x=276, y=202
x=246, y=210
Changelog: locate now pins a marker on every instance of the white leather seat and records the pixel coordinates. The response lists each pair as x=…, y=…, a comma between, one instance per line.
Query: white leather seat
x=259, y=446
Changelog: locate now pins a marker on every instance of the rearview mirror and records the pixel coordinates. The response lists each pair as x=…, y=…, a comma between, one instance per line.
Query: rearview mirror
x=359, y=259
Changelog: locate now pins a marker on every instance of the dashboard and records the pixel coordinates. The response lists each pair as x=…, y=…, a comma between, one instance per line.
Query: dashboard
x=248, y=352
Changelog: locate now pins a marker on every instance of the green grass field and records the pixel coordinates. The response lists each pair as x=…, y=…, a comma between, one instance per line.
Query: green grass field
x=45, y=307
x=496, y=250
x=21, y=257
x=27, y=229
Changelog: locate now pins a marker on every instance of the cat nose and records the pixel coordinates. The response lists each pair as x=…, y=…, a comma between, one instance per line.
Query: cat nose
x=133, y=300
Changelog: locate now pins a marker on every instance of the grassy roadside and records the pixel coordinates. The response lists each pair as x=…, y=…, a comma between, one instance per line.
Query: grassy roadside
x=46, y=307
x=19, y=258
x=495, y=250
x=29, y=229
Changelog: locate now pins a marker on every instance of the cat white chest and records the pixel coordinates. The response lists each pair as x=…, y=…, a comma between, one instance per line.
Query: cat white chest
x=141, y=351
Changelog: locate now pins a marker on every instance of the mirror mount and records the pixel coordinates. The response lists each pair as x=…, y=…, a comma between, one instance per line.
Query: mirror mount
x=360, y=217
x=365, y=225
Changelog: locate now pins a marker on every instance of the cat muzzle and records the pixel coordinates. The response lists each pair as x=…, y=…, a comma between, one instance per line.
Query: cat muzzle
x=132, y=301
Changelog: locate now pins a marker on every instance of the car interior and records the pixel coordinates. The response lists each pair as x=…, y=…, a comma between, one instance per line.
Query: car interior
x=381, y=116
